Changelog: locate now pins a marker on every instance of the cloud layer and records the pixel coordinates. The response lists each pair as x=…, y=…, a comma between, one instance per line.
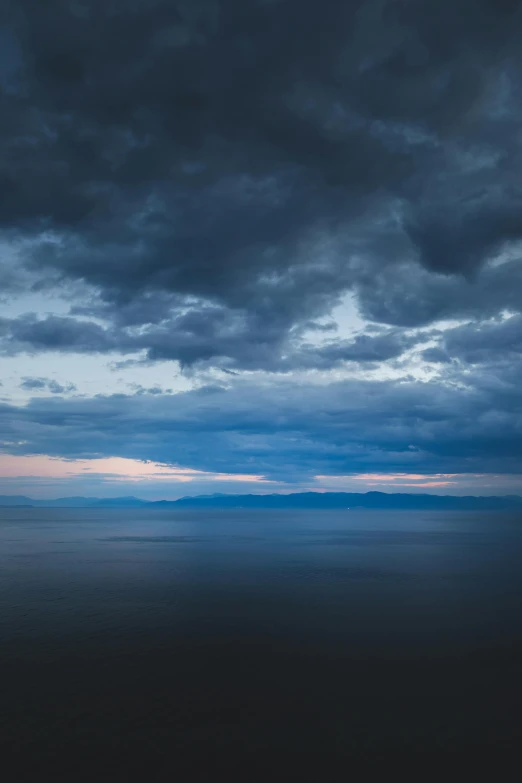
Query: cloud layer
x=285, y=432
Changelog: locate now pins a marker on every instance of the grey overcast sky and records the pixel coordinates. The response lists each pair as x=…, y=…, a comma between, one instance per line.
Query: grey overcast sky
x=260, y=245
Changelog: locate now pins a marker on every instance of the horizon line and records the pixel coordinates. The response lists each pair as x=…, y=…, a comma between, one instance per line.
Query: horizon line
x=254, y=494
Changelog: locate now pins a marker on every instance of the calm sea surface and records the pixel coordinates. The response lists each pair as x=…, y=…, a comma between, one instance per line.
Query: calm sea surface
x=186, y=645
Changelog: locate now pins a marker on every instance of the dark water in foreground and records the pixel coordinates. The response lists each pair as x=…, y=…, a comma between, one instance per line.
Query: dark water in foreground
x=194, y=645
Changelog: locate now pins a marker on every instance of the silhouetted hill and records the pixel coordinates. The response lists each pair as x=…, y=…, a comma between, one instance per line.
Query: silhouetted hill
x=343, y=500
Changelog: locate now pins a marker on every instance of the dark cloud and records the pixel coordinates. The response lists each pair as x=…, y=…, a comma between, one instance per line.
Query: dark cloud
x=46, y=384
x=206, y=336
x=34, y=383
x=408, y=296
x=53, y=333
x=153, y=390
x=488, y=342
x=205, y=181
x=57, y=388
x=436, y=355
x=253, y=160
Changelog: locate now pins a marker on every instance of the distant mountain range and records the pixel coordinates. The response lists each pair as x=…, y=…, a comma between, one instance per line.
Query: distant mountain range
x=74, y=502
x=297, y=500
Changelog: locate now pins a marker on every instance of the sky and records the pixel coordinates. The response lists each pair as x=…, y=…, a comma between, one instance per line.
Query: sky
x=260, y=246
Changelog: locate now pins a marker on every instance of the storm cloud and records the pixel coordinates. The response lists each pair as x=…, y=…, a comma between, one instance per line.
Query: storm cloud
x=205, y=183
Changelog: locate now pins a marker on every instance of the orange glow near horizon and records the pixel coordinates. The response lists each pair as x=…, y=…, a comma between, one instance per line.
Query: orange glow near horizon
x=120, y=470
x=395, y=479
x=403, y=476
x=112, y=468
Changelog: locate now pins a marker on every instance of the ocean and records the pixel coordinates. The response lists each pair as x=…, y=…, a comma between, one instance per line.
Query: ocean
x=257, y=645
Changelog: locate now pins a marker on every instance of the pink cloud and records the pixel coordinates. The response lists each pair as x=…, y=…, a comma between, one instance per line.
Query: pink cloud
x=395, y=479
x=111, y=468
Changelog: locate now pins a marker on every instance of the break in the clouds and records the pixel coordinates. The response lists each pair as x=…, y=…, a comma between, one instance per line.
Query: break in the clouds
x=311, y=212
